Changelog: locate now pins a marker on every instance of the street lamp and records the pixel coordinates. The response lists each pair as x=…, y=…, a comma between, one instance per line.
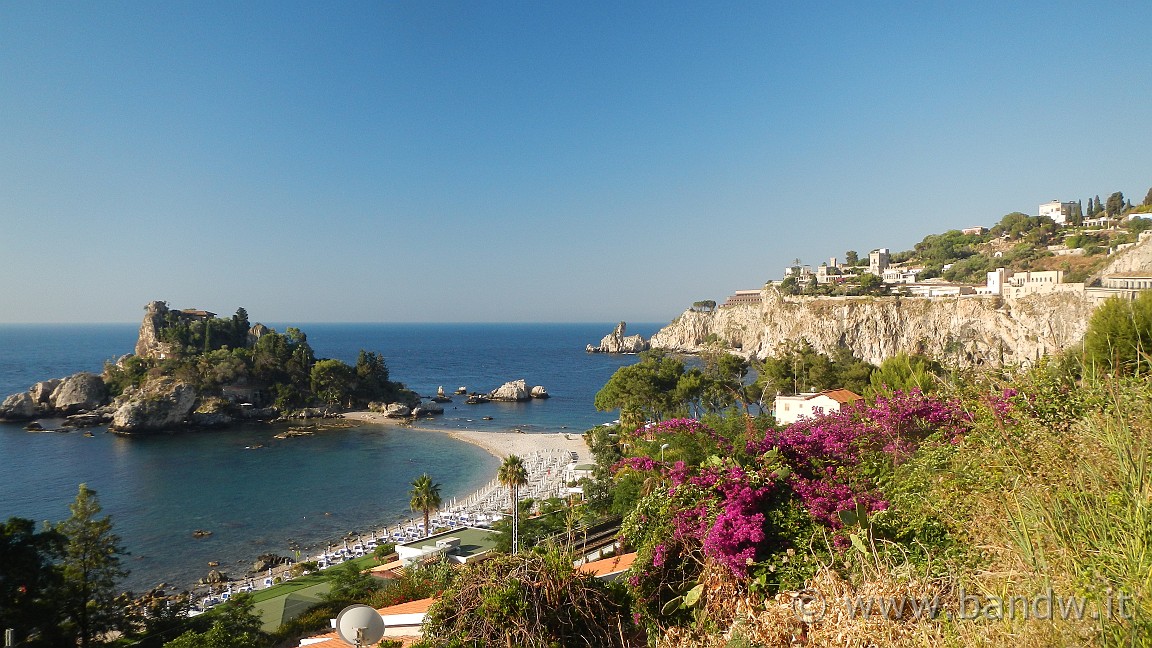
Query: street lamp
x=662, y=449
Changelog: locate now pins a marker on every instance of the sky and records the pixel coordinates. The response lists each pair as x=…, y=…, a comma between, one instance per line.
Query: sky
x=531, y=161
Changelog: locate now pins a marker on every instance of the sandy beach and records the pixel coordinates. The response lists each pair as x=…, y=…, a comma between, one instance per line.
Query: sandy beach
x=498, y=444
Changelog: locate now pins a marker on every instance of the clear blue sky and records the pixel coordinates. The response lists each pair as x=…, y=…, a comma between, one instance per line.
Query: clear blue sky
x=531, y=161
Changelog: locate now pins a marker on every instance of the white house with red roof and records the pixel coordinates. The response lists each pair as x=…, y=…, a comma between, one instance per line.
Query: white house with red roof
x=788, y=409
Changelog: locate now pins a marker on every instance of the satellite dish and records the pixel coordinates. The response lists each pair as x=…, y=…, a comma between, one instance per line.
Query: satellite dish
x=359, y=625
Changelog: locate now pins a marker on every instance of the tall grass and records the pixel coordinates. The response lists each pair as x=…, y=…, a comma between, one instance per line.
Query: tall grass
x=1092, y=531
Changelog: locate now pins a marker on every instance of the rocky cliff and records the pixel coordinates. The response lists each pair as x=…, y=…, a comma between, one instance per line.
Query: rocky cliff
x=148, y=344
x=966, y=331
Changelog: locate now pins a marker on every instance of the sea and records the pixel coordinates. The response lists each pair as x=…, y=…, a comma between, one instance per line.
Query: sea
x=290, y=497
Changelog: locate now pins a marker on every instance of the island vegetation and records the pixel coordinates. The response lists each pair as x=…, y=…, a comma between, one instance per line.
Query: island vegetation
x=280, y=369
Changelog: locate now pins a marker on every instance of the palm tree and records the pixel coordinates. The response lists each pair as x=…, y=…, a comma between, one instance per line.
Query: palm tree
x=513, y=475
x=425, y=497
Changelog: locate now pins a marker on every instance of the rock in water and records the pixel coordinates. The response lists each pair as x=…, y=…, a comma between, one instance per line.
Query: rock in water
x=20, y=407
x=397, y=410
x=82, y=391
x=539, y=392
x=618, y=342
x=428, y=409
x=515, y=390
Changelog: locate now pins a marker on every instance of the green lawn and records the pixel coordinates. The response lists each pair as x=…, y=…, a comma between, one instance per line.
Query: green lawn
x=287, y=600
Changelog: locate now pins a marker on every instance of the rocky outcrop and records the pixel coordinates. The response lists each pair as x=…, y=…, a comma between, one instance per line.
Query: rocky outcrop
x=160, y=404
x=20, y=407
x=256, y=332
x=539, y=392
x=428, y=409
x=397, y=410
x=515, y=390
x=618, y=342
x=968, y=331
x=59, y=397
x=82, y=391
x=267, y=561
x=148, y=344
x=1136, y=259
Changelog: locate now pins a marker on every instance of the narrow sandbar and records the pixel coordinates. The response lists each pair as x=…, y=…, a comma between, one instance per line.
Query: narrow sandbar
x=498, y=444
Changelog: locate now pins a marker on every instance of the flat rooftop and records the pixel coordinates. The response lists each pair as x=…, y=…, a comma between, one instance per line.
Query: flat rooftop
x=473, y=541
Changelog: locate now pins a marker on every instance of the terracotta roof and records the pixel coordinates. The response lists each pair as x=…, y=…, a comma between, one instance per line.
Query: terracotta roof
x=333, y=640
x=609, y=565
x=842, y=396
x=411, y=607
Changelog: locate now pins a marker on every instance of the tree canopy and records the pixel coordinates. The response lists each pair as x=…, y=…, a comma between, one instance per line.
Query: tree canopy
x=91, y=570
x=1119, y=336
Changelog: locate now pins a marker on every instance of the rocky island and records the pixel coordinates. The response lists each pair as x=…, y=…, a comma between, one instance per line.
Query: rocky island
x=193, y=369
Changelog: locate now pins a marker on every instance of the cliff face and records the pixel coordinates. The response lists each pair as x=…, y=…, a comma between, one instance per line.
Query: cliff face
x=148, y=344
x=966, y=331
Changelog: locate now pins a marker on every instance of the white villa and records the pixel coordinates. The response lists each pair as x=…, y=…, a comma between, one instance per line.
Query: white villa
x=1057, y=211
x=788, y=409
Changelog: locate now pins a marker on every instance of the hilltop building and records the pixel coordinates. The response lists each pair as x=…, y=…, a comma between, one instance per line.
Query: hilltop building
x=878, y=261
x=901, y=275
x=742, y=297
x=828, y=272
x=1061, y=212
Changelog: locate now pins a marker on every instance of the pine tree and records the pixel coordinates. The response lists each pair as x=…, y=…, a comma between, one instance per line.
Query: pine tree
x=91, y=569
x=1099, y=206
x=1148, y=197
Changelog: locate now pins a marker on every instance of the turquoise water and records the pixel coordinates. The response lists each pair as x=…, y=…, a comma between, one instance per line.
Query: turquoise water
x=295, y=493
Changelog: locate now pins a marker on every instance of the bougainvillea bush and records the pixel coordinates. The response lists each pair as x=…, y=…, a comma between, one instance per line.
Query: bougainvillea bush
x=765, y=511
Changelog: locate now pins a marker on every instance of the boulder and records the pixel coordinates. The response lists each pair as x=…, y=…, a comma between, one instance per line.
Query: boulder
x=618, y=342
x=397, y=410
x=211, y=419
x=515, y=390
x=163, y=403
x=214, y=577
x=82, y=391
x=42, y=391
x=539, y=392
x=20, y=407
x=267, y=561
x=90, y=419
x=428, y=409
